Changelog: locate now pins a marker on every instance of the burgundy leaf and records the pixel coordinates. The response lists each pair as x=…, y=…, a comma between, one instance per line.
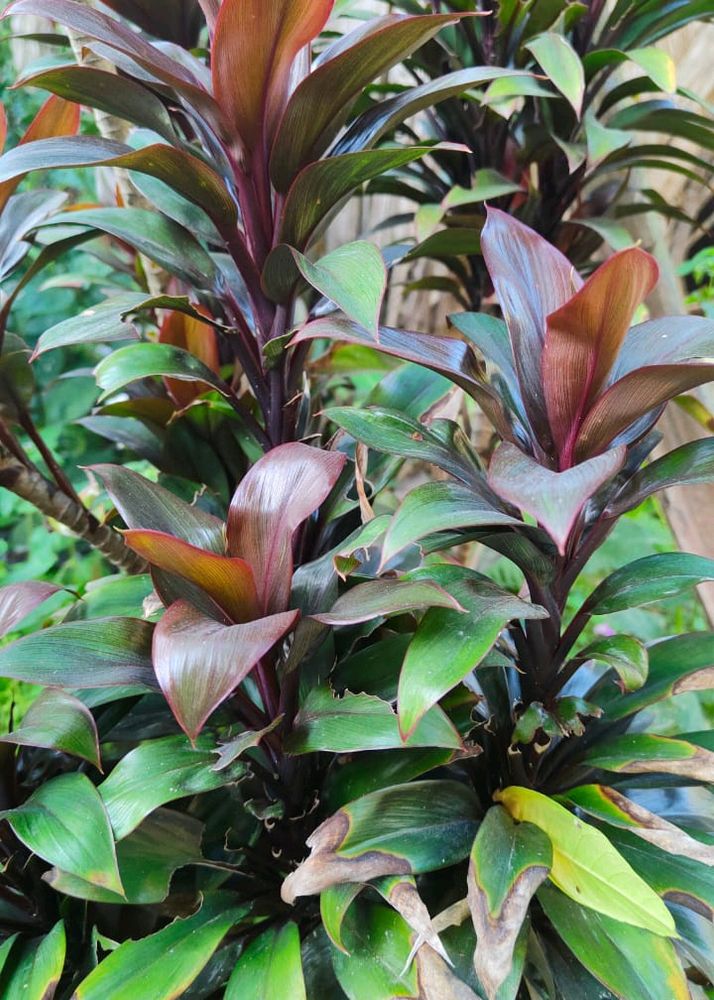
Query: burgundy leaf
x=531, y=280
x=199, y=662
x=584, y=337
x=276, y=495
x=554, y=499
x=17, y=600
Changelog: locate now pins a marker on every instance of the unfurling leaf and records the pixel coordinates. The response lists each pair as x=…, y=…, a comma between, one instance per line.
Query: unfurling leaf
x=509, y=861
x=586, y=866
x=199, y=661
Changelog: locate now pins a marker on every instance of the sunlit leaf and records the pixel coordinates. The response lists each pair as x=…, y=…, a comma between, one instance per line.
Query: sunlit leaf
x=561, y=64
x=58, y=721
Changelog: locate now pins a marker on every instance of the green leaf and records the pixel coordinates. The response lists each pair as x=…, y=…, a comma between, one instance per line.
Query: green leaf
x=448, y=645
x=104, y=652
x=58, y=721
x=646, y=753
x=632, y=963
x=561, y=63
x=657, y=64
x=386, y=597
x=486, y=184
x=162, y=965
x=440, y=506
x=334, y=904
x=647, y=580
x=690, y=464
x=138, y=361
x=65, y=822
x=233, y=749
x=362, y=722
x=160, y=239
x=269, y=967
x=603, y=141
x=508, y=863
x=36, y=970
x=147, y=859
x=375, y=961
x=626, y=655
x=402, y=830
x=586, y=866
x=157, y=772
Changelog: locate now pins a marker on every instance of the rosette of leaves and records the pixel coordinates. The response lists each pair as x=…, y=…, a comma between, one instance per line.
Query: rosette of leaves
x=590, y=870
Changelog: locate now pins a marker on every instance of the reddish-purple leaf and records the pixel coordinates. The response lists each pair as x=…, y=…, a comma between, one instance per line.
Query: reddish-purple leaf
x=199, y=662
x=276, y=495
x=228, y=581
x=254, y=47
x=197, y=338
x=584, y=337
x=554, y=499
x=17, y=600
x=531, y=280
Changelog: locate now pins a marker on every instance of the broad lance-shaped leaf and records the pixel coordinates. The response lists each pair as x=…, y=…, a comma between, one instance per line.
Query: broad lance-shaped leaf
x=137, y=361
x=157, y=772
x=511, y=251
x=555, y=499
x=184, y=173
x=402, y=830
x=441, y=506
x=147, y=860
x=626, y=655
x=58, y=721
x=270, y=966
x=448, y=645
x=612, y=807
x=228, y=580
x=254, y=47
x=362, y=722
x=690, y=464
x=509, y=861
x=401, y=892
x=583, y=339
x=36, y=965
x=164, y=964
x=632, y=963
x=646, y=753
x=647, y=580
x=143, y=504
x=334, y=904
x=104, y=652
x=586, y=866
x=65, y=823
x=386, y=597
x=562, y=65
x=199, y=662
x=18, y=600
x=272, y=500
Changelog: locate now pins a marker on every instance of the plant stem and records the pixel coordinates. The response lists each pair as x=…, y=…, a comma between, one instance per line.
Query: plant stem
x=58, y=474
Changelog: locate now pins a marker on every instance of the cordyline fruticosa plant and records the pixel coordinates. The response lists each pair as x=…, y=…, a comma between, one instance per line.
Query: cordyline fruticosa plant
x=180, y=763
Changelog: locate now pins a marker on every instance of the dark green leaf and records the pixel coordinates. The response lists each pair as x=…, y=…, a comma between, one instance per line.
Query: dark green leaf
x=386, y=597
x=270, y=966
x=647, y=580
x=58, y=721
x=692, y=463
x=139, y=361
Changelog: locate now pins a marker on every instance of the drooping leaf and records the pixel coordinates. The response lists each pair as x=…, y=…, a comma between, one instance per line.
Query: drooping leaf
x=633, y=963
x=586, y=866
x=163, y=964
x=36, y=970
x=447, y=645
x=278, y=493
x=334, y=904
x=647, y=580
x=508, y=863
x=199, y=662
x=375, y=960
x=385, y=597
x=555, y=499
x=269, y=966
x=401, y=892
x=402, y=830
x=362, y=722
x=65, y=822
x=58, y=721
x=104, y=652
x=625, y=654
x=18, y=600
x=690, y=464
x=137, y=361
x=156, y=772
x=561, y=63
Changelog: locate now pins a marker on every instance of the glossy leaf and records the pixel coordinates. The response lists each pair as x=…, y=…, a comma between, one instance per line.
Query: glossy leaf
x=105, y=652
x=508, y=863
x=362, y=722
x=233, y=749
x=334, y=904
x=646, y=753
x=354, y=277
x=145, y=360
x=58, y=721
x=276, y=495
x=198, y=337
x=36, y=970
x=147, y=860
x=656, y=63
x=561, y=63
x=690, y=464
x=586, y=866
x=448, y=645
x=555, y=499
x=163, y=964
x=65, y=822
x=269, y=966
x=18, y=600
x=633, y=963
x=156, y=772
x=647, y=580
x=402, y=830
x=199, y=662
x=625, y=654
x=385, y=597
x=375, y=961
